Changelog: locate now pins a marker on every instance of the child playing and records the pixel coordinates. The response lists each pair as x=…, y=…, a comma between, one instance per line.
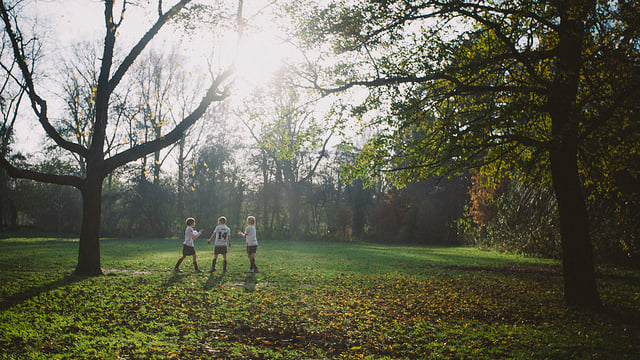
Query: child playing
x=222, y=234
x=187, y=248
x=252, y=243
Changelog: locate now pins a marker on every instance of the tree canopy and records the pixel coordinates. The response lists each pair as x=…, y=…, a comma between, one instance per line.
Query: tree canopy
x=520, y=89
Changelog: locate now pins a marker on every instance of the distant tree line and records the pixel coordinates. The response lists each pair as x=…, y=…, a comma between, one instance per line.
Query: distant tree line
x=510, y=216
x=134, y=206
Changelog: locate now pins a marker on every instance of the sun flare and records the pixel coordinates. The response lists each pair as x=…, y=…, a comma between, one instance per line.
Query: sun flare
x=260, y=55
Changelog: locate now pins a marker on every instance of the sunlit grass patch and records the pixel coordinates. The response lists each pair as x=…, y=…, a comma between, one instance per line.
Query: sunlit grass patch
x=310, y=301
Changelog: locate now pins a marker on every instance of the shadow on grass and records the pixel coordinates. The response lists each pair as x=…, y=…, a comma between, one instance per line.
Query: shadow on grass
x=175, y=278
x=32, y=292
x=215, y=280
x=250, y=283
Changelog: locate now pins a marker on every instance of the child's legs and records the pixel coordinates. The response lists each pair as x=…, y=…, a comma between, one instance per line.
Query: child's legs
x=251, y=253
x=180, y=261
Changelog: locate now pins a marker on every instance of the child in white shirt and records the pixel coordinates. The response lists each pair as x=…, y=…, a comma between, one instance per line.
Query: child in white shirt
x=252, y=243
x=187, y=246
x=222, y=234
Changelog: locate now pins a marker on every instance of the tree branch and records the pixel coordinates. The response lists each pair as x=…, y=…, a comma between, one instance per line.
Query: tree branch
x=141, y=150
x=137, y=49
x=42, y=177
x=38, y=105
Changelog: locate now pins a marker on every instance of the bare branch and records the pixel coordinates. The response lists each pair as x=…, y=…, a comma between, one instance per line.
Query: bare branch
x=136, y=152
x=38, y=105
x=38, y=176
x=137, y=49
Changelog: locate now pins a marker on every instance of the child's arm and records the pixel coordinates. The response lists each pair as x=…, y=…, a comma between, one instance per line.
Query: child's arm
x=240, y=233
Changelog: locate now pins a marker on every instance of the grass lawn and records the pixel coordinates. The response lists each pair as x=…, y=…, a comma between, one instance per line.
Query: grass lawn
x=311, y=300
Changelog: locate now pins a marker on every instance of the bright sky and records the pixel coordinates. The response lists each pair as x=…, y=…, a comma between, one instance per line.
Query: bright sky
x=71, y=21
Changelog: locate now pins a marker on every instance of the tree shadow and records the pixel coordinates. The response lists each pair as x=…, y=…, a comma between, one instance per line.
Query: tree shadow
x=33, y=292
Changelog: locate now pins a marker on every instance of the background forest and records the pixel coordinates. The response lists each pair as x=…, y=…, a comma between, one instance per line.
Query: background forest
x=290, y=154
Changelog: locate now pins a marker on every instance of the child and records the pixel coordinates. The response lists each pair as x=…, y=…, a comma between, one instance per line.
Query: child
x=187, y=248
x=222, y=234
x=252, y=243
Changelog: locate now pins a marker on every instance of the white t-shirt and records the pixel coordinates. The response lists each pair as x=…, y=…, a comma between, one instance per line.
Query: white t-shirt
x=190, y=235
x=221, y=234
x=252, y=239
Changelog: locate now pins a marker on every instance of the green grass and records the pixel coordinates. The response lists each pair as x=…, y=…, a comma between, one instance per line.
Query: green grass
x=310, y=301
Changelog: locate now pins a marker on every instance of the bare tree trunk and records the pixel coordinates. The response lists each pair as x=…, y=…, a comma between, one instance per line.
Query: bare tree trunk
x=89, y=245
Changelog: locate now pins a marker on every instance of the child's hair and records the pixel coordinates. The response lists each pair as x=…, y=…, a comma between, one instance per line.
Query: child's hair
x=222, y=219
x=251, y=220
x=191, y=221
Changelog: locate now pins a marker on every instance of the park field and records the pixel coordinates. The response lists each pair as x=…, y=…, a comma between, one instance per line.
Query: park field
x=311, y=300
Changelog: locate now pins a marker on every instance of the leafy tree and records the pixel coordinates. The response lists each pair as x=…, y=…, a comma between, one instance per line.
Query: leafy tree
x=98, y=164
x=217, y=188
x=512, y=87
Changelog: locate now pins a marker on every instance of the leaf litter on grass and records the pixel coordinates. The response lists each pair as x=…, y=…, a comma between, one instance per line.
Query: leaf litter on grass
x=319, y=301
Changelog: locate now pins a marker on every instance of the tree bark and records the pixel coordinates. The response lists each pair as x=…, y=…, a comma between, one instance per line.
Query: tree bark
x=577, y=254
x=89, y=244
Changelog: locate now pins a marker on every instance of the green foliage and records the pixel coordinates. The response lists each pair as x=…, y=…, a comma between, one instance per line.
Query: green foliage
x=311, y=300
x=521, y=217
x=48, y=207
x=468, y=85
x=512, y=216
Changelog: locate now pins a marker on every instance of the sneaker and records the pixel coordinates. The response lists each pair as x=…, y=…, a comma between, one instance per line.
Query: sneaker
x=197, y=270
x=256, y=270
x=249, y=271
x=212, y=270
x=176, y=270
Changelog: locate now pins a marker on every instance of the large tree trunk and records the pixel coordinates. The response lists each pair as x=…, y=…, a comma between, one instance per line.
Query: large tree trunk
x=89, y=248
x=577, y=254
